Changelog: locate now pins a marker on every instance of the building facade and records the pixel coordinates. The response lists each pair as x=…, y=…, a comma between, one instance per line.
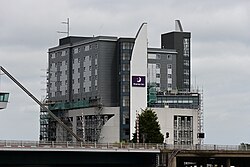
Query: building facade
x=97, y=85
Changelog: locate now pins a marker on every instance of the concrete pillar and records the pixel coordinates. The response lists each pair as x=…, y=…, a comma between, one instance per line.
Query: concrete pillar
x=228, y=162
x=173, y=162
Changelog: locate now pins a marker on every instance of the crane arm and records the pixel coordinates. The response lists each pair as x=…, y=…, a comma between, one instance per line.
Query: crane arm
x=40, y=104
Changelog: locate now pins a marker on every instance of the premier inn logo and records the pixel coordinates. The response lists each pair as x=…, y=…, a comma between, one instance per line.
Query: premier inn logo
x=138, y=81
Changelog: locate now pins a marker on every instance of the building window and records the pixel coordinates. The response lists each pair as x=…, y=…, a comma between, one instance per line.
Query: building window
x=86, y=48
x=186, y=81
x=53, y=55
x=125, y=77
x=158, y=66
x=158, y=75
x=186, y=62
x=90, y=68
x=125, y=56
x=125, y=101
x=158, y=56
x=169, y=66
x=63, y=53
x=169, y=75
x=125, y=67
x=125, y=88
x=151, y=56
x=89, y=78
x=127, y=45
x=169, y=57
x=186, y=72
x=76, y=50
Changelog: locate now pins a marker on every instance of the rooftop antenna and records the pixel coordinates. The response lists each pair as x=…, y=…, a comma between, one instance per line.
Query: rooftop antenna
x=65, y=32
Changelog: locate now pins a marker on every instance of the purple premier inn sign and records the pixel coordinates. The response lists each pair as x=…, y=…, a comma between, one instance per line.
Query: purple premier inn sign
x=138, y=81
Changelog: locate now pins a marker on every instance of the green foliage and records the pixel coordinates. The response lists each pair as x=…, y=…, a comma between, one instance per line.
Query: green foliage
x=149, y=128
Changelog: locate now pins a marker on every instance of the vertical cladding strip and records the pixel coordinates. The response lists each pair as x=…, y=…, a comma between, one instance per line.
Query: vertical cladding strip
x=138, y=95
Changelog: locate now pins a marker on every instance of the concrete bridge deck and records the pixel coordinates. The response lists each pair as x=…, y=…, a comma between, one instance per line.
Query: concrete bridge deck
x=20, y=153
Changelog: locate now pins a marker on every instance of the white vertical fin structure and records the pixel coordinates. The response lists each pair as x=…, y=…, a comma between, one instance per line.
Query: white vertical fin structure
x=178, y=26
x=138, y=76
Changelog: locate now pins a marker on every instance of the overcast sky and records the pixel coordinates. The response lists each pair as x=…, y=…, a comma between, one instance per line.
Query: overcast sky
x=220, y=53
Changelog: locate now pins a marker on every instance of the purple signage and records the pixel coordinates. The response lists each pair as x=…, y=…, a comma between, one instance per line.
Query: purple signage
x=138, y=81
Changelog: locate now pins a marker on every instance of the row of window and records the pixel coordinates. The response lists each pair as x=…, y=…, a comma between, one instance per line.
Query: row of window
x=186, y=47
x=59, y=73
x=84, y=69
x=158, y=56
x=186, y=62
x=58, y=54
x=85, y=59
x=85, y=48
x=87, y=89
x=127, y=45
x=59, y=83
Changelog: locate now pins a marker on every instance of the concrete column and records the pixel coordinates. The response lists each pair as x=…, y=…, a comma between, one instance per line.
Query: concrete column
x=173, y=162
x=228, y=162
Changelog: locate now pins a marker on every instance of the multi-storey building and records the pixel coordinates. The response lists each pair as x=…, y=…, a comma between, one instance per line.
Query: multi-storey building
x=96, y=85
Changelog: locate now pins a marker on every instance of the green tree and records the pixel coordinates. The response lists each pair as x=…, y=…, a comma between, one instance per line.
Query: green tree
x=149, y=128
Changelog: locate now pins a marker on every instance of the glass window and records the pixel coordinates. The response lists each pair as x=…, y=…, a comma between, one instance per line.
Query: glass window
x=151, y=56
x=125, y=88
x=86, y=48
x=186, y=62
x=125, y=67
x=125, y=56
x=125, y=77
x=125, y=101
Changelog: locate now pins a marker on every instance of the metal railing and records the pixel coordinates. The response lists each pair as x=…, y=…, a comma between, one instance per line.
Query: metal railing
x=77, y=145
x=141, y=146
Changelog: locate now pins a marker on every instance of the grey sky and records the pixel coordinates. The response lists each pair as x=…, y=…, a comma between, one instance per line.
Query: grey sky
x=220, y=53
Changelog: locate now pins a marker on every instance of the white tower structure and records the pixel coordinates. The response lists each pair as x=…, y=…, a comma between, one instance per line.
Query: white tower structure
x=138, y=76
